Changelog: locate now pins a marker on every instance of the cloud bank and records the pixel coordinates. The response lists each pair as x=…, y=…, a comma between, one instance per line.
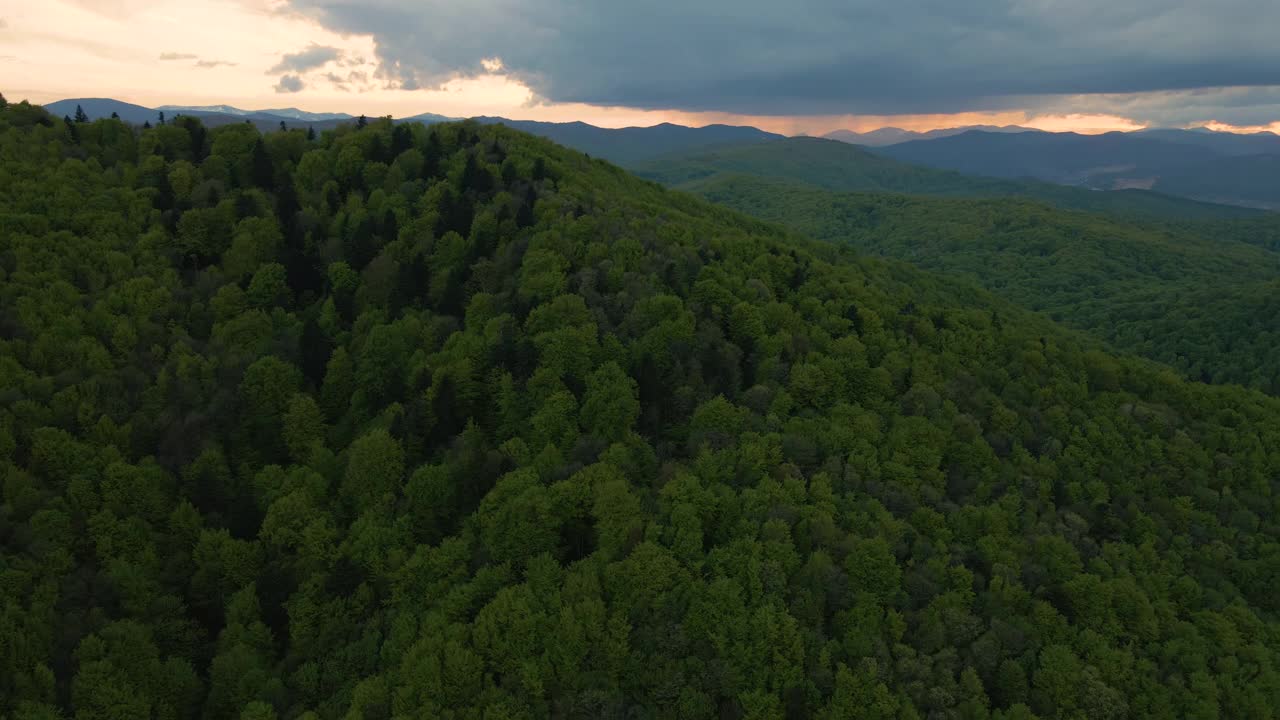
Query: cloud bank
x=316, y=56
x=290, y=84
x=827, y=56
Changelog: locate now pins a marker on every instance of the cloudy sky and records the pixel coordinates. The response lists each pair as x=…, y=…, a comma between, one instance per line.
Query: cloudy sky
x=797, y=66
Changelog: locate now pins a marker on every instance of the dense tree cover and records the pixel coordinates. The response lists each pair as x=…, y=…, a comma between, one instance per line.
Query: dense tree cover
x=839, y=166
x=1187, y=296
x=1260, y=230
x=454, y=423
x=1214, y=333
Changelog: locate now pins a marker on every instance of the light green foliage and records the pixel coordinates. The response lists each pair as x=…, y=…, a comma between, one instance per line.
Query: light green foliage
x=610, y=408
x=303, y=427
x=375, y=464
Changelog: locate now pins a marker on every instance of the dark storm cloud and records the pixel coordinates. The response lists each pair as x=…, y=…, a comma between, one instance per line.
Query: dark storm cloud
x=1242, y=106
x=821, y=56
x=313, y=57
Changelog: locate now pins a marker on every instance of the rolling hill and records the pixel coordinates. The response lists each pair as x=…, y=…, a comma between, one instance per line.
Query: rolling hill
x=1217, y=167
x=838, y=166
x=633, y=145
x=211, y=116
x=97, y=108
x=484, y=428
x=893, y=135
x=1200, y=302
x=1069, y=158
x=287, y=113
x=1252, y=180
x=1224, y=143
x=626, y=146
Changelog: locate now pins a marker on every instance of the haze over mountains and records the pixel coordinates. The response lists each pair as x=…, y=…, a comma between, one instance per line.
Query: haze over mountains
x=1220, y=167
x=893, y=135
x=833, y=165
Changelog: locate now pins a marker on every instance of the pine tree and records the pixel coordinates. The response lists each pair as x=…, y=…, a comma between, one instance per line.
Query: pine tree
x=263, y=171
x=115, y=115
x=81, y=115
x=72, y=132
x=362, y=122
x=283, y=127
x=146, y=125
x=311, y=134
x=161, y=117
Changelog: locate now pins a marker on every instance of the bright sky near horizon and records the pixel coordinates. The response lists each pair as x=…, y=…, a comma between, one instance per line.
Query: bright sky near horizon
x=261, y=54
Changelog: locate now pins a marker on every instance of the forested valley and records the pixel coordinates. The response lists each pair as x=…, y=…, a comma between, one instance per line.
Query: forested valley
x=401, y=421
x=1200, y=295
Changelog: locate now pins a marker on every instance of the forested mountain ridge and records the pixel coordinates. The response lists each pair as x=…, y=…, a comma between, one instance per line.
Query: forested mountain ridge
x=838, y=166
x=451, y=422
x=893, y=136
x=1193, y=295
x=1215, y=167
x=625, y=146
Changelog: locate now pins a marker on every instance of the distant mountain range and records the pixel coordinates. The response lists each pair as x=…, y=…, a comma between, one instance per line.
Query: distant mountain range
x=211, y=115
x=1219, y=167
x=835, y=166
x=630, y=145
x=290, y=113
x=625, y=146
x=101, y=108
x=1215, y=167
x=893, y=135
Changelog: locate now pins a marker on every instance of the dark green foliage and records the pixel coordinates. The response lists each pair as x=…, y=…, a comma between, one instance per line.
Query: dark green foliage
x=634, y=456
x=1194, y=297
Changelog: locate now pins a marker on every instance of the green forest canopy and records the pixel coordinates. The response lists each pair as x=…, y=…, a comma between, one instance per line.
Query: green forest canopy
x=1193, y=295
x=454, y=423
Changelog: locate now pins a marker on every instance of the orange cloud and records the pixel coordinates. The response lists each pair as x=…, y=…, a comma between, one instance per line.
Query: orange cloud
x=1224, y=127
x=118, y=64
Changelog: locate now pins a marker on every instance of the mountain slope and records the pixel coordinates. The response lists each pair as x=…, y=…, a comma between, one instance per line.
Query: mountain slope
x=1221, y=142
x=1238, y=169
x=838, y=166
x=622, y=145
x=1196, y=301
x=1248, y=179
x=632, y=145
x=1056, y=157
x=286, y=113
x=97, y=108
x=893, y=135
x=452, y=422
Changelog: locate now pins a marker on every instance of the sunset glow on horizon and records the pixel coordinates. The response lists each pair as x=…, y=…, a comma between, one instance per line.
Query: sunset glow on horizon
x=196, y=53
